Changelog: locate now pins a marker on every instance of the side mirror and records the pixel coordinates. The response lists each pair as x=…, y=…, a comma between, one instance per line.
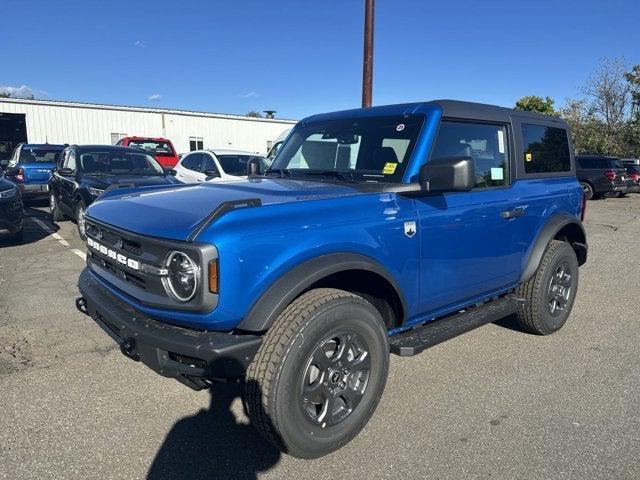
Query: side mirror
x=66, y=172
x=211, y=173
x=172, y=172
x=253, y=167
x=449, y=174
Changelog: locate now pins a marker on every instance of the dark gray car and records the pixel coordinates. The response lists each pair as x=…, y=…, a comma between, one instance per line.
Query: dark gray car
x=600, y=175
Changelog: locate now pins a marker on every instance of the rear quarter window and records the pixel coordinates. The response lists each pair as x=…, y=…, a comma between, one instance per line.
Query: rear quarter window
x=546, y=149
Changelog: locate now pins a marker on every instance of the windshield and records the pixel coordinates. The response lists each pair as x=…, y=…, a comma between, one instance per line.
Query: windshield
x=367, y=149
x=119, y=163
x=157, y=148
x=237, y=164
x=39, y=155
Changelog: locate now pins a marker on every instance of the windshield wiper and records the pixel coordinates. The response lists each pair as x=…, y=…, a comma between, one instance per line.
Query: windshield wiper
x=342, y=176
x=282, y=172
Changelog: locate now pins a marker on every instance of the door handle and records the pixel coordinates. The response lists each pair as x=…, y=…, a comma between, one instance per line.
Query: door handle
x=514, y=213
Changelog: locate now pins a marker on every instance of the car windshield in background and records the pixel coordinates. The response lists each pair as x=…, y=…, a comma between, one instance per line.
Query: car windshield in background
x=367, y=149
x=39, y=155
x=237, y=164
x=119, y=163
x=160, y=149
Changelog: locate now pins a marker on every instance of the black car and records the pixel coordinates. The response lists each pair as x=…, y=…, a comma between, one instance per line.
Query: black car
x=86, y=171
x=10, y=209
x=600, y=175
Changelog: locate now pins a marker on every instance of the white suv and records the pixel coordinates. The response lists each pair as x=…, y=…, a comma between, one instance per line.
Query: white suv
x=216, y=165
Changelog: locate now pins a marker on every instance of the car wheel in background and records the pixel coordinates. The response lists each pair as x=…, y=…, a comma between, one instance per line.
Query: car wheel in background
x=54, y=209
x=587, y=189
x=319, y=373
x=612, y=194
x=80, y=221
x=551, y=291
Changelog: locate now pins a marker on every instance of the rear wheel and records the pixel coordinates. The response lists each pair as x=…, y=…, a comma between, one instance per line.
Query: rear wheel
x=80, y=220
x=319, y=374
x=612, y=194
x=587, y=189
x=550, y=293
x=54, y=208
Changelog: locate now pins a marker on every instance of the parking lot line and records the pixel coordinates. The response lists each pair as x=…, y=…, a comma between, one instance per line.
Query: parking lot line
x=50, y=231
x=80, y=253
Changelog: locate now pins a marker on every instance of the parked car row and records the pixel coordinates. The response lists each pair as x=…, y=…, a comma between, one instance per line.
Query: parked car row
x=604, y=176
x=72, y=177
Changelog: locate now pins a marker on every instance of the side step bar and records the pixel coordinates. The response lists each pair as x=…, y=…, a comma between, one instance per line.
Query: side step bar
x=414, y=341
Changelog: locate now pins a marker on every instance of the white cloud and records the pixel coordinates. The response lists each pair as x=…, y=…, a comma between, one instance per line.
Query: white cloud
x=22, y=91
x=251, y=94
x=140, y=44
x=155, y=97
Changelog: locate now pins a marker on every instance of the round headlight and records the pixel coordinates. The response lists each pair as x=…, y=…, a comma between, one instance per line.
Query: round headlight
x=181, y=281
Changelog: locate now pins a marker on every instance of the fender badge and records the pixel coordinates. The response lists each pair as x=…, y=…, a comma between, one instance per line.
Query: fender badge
x=409, y=229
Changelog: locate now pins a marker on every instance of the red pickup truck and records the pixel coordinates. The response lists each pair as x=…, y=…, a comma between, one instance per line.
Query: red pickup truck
x=161, y=148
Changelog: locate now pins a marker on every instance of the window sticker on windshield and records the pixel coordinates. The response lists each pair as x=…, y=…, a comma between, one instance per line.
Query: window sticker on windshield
x=497, y=173
x=400, y=127
x=528, y=157
x=389, y=168
x=500, y=141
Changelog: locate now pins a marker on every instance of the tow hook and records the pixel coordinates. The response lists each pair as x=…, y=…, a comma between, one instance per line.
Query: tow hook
x=127, y=347
x=81, y=305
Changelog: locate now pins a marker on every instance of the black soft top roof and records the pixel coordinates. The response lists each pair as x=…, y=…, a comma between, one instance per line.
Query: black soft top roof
x=494, y=113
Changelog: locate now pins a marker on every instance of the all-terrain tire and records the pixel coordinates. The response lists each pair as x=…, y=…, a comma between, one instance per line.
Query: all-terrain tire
x=275, y=380
x=537, y=316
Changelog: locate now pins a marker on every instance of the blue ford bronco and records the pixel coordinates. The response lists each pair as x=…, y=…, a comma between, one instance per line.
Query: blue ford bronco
x=375, y=231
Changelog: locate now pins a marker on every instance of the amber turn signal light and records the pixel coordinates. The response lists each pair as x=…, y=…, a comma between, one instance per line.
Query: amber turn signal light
x=213, y=276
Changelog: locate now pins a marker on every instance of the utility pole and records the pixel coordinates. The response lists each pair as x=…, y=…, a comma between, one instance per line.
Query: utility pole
x=367, y=64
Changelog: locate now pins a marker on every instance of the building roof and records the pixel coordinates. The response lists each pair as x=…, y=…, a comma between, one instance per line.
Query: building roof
x=101, y=106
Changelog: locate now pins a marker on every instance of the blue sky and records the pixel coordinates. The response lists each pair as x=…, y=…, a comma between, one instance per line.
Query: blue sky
x=302, y=57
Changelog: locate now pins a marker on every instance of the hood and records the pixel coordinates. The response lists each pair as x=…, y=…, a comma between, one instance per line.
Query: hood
x=5, y=184
x=174, y=212
x=103, y=182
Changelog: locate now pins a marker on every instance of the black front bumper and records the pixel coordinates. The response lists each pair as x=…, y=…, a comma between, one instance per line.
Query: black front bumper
x=193, y=357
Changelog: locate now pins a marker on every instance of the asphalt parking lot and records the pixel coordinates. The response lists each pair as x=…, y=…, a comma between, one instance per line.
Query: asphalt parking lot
x=492, y=403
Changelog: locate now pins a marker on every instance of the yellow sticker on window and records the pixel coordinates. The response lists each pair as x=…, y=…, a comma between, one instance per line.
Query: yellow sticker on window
x=528, y=157
x=389, y=168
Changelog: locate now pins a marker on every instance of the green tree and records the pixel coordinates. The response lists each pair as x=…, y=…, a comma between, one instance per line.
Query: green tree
x=533, y=103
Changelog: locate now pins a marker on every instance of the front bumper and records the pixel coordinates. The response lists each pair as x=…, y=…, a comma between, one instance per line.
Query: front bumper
x=190, y=356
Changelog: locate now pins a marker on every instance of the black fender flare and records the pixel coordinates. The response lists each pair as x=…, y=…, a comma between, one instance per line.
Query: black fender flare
x=548, y=233
x=284, y=290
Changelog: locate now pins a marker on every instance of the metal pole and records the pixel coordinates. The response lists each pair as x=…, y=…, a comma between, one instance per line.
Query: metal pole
x=367, y=64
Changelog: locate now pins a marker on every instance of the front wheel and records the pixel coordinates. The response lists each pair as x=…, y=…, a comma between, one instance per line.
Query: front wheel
x=54, y=208
x=319, y=373
x=550, y=293
x=80, y=220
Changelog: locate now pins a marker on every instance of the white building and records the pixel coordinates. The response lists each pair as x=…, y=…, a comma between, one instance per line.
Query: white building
x=40, y=121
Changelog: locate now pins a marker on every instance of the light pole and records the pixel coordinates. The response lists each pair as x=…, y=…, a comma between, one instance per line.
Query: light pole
x=367, y=64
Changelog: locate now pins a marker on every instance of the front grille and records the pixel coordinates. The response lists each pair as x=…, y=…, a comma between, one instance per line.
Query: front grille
x=121, y=245
x=115, y=269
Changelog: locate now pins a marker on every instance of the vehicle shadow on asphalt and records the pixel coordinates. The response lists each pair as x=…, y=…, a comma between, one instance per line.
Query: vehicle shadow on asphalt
x=510, y=323
x=212, y=444
x=32, y=232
